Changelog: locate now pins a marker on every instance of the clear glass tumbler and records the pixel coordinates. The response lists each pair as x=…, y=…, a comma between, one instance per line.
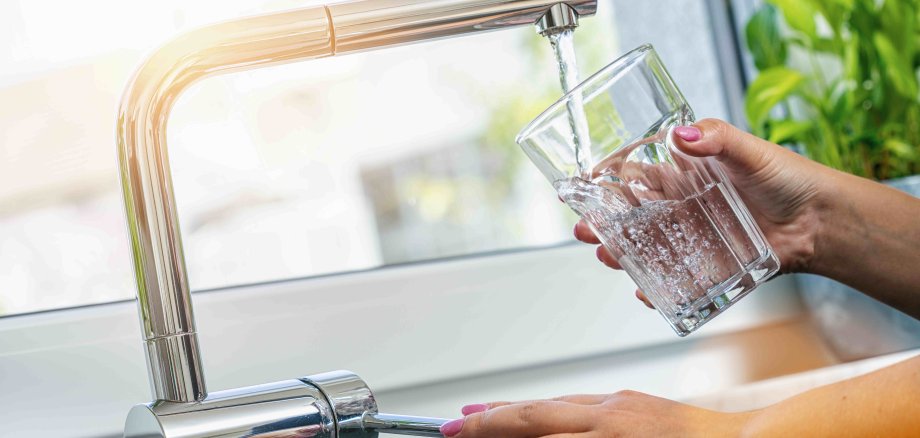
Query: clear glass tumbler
x=674, y=222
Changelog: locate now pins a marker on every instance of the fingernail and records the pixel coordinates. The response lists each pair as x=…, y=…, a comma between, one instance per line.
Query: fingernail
x=452, y=427
x=474, y=408
x=599, y=253
x=688, y=133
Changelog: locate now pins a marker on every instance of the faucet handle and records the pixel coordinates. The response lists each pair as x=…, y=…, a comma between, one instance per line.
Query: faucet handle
x=349, y=399
x=404, y=424
x=354, y=409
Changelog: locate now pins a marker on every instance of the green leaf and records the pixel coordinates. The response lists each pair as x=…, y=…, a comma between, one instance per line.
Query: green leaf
x=900, y=149
x=786, y=131
x=826, y=45
x=851, y=67
x=834, y=12
x=894, y=21
x=764, y=40
x=838, y=101
x=799, y=15
x=896, y=68
x=847, y=4
x=768, y=89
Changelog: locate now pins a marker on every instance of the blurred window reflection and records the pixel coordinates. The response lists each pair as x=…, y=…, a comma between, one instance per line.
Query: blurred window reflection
x=333, y=165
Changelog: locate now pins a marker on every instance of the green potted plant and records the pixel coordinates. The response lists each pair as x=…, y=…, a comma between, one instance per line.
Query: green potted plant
x=838, y=81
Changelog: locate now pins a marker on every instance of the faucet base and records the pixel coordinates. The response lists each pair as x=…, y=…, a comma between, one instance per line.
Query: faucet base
x=337, y=404
x=292, y=408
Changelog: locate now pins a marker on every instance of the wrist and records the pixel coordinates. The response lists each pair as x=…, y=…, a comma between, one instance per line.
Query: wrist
x=727, y=424
x=833, y=211
x=802, y=233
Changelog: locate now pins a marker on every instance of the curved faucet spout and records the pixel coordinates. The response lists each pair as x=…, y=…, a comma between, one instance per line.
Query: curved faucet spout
x=165, y=307
x=164, y=302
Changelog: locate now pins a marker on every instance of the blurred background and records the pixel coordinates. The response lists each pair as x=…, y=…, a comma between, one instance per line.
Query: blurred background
x=335, y=165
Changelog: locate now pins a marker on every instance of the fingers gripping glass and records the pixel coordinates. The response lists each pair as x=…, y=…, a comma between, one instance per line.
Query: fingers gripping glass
x=674, y=222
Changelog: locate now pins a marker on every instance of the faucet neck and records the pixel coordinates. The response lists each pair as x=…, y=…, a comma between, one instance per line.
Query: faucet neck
x=164, y=301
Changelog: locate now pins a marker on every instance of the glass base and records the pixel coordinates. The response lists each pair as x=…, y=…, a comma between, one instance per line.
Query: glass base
x=724, y=295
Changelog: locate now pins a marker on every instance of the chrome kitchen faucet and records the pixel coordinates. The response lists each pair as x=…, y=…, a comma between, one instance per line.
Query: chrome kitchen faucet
x=330, y=405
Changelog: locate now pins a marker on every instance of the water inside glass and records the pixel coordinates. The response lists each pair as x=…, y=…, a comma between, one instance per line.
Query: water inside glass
x=691, y=255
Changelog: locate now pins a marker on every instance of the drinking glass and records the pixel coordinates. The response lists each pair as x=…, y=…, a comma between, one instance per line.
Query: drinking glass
x=674, y=222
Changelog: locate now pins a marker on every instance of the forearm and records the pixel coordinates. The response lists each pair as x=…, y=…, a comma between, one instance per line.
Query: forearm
x=882, y=403
x=870, y=240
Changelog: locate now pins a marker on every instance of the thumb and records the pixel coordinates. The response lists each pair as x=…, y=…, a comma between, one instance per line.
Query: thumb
x=736, y=149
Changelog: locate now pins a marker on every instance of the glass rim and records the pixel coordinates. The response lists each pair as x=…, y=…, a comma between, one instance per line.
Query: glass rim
x=616, y=67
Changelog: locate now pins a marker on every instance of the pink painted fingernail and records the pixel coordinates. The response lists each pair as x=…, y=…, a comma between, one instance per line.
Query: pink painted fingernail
x=452, y=427
x=688, y=133
x=474, y=408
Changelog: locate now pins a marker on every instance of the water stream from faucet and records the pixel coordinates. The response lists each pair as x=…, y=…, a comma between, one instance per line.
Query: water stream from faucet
x=563, y=44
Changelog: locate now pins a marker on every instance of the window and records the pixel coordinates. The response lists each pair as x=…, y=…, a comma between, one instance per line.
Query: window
x=325, y=166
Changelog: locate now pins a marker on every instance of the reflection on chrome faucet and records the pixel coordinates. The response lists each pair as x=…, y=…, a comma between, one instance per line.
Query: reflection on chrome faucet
x=330, y=405
x=335, y=404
